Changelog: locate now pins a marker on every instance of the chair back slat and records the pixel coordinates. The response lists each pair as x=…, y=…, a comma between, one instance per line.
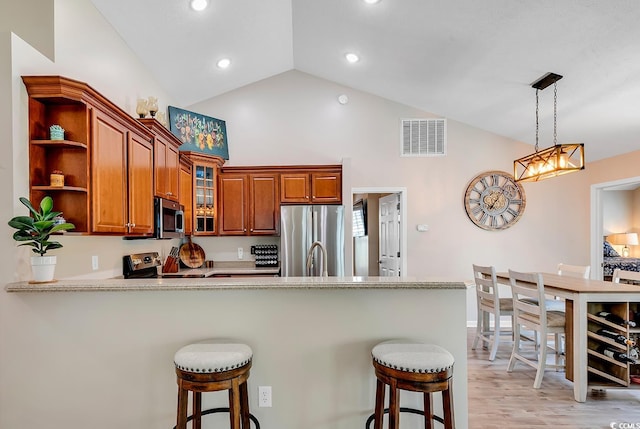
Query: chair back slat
x=625, y=276
x=486, y=288
x=528, y=298
x=578, y=271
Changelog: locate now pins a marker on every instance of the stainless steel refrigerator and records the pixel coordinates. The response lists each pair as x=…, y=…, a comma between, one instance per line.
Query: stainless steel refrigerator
x=300, y=227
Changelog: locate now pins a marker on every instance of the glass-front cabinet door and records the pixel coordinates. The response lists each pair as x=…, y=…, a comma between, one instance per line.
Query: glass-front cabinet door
x=205, y=200
x=204, y=173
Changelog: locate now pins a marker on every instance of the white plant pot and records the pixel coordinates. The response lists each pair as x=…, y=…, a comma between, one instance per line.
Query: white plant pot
x=43, y=268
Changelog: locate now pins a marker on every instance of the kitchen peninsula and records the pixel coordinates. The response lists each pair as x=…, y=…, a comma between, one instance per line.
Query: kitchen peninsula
x=311, y=338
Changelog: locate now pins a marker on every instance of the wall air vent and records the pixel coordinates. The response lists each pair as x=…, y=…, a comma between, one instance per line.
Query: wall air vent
x=424, y=137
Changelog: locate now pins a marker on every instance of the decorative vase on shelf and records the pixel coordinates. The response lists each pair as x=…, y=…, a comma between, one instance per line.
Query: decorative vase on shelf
x=56, y=179
x=56, y=132
x=152, y=105
x=142, y=108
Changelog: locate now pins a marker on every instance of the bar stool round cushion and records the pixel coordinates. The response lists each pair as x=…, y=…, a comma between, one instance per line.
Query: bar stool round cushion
x=412, y=357
x=210, y=357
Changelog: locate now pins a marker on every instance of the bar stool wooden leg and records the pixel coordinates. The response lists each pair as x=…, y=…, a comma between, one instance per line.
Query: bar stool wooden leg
x=183, y=398
x=379, y=412
x=197, y=410
x=234, y=404
x=394, y=410
x=447, y=404
x=428, y=410
x=244, y=405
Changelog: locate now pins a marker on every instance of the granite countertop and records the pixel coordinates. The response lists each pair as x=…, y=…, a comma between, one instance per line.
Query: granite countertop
x=221, y=283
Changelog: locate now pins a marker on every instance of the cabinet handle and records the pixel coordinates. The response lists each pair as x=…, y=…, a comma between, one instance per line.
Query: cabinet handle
x=133, y=225
x=169, y=194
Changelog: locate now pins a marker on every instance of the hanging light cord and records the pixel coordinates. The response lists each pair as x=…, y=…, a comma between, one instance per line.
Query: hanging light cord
x=537, y=125
x=555, y=112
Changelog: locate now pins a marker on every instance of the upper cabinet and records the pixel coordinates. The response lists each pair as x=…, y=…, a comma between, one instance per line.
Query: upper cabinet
x=311, y=185
x=204, y=187
x=186, y=190
x=249, y=201
x=166, y=160
x=122, y=178
x=105, y=155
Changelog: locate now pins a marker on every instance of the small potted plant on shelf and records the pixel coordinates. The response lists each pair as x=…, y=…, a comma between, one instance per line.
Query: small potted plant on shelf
x=35, y=231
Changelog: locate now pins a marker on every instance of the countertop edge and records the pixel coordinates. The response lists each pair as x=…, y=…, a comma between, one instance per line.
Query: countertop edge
x=278, y=283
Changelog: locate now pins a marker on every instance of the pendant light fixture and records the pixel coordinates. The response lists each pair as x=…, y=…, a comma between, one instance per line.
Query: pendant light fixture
x=556, y=160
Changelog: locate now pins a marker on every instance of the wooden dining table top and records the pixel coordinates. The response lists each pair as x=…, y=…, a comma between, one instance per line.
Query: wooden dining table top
x=578, y=285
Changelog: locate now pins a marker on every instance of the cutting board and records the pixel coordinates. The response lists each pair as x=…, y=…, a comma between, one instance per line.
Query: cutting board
x=191, y=254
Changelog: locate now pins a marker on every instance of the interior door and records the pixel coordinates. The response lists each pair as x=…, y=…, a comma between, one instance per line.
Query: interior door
x=389, y=248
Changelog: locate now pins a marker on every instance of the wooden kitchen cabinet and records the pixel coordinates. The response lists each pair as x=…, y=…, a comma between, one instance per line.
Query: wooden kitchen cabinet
x=106, y=158
x=314, y=185
x=204, y=191
x=166, y=167
x=122, y=187
x=249, y=202
x=233, y=204
x=186, y=193
x=264, y=204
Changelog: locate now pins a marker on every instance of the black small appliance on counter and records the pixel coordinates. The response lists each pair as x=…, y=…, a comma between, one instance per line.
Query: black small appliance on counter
x=141, y=265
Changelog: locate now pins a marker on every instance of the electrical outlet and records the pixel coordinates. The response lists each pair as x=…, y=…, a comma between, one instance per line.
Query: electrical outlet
x=94, y=262
x=264, y=396
x=240, y=253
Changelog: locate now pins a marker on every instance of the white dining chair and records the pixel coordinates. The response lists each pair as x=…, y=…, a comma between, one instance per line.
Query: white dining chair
x=528, y=292
x=579, y=271
x=489, y=303
x=625, y=276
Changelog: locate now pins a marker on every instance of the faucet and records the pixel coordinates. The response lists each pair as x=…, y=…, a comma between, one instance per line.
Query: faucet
x=324, y=257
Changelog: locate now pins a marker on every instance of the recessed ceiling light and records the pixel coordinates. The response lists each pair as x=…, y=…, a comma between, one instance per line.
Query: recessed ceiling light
x=199, y=5
x=372, y=1
x=352, y=58
x=343, y=99
x=224, y=63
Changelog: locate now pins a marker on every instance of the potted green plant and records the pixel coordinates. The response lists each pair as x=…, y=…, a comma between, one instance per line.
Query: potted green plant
x=35, y=231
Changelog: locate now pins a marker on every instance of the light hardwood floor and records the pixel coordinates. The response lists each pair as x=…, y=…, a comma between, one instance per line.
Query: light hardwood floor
x=502, y=400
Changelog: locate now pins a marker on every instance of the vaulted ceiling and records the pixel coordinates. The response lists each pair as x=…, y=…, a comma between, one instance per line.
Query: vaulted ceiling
x=468, y=60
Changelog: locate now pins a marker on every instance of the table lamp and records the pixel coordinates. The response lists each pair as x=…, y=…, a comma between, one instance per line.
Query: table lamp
x=625, y=239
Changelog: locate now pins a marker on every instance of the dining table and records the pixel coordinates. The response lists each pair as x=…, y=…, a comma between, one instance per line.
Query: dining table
x=578, y=293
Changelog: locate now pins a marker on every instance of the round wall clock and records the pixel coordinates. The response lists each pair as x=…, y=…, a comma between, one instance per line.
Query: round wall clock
x=494, y=200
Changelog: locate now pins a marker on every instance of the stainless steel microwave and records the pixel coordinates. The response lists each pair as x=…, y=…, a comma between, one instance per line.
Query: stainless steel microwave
x=169, y=219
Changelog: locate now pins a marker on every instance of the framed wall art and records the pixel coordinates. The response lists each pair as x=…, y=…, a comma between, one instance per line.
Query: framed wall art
x=199, y=133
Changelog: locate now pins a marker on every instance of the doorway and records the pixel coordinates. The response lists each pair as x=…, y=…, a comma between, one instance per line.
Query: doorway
x=597, y=218
x=379, y=250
